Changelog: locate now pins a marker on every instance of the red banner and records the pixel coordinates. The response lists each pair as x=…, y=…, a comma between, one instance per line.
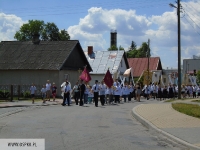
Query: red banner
x=108, y=79
x=85, y=76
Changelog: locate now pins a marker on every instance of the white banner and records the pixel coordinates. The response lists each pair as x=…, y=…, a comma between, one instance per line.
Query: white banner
x=22, y=144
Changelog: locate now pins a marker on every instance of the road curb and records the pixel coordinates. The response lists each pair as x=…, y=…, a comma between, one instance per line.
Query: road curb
x=149, y=125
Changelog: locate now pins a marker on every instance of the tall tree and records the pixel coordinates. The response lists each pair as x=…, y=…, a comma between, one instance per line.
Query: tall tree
x=141, y=52
x=63, y=35
x=29, y=29
x=121, y=48
x=113, y=48
x=47, y=32
x=133, y=46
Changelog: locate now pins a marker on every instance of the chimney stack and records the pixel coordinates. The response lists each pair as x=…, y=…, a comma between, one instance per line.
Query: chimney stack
x=90, y=50
x=36, y=38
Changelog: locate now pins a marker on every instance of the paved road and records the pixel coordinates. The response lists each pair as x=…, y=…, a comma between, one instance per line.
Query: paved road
x=85, y=128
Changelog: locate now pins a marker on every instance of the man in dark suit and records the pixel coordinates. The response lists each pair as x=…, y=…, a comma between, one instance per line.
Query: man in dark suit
x=95, y=89
x=82, y=90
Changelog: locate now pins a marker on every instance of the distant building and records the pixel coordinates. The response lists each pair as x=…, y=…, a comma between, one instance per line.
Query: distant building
x=115, y=61
x=24, y=63
x=141, y=64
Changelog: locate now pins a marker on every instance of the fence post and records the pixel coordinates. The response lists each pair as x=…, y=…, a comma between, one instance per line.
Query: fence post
x=18, y=90
x=11, y=93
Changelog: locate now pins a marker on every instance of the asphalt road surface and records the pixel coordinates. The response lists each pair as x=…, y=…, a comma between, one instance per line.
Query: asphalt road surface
x=85, y=128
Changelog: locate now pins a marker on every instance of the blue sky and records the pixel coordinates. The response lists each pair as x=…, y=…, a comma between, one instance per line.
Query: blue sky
x=90, y=22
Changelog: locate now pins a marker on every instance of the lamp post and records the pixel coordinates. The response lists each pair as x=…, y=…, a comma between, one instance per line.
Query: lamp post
x=179, y=47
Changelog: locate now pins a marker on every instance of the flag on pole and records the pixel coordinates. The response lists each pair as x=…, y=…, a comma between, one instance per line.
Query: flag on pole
x=108, y=80
x=85, y=76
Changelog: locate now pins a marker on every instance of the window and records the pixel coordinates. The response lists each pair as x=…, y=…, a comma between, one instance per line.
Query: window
x=164, y=80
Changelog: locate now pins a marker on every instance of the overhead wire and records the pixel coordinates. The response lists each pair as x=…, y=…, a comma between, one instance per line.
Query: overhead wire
x=73, y=10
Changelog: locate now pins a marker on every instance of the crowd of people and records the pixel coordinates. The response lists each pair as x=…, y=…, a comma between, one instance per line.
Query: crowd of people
x=170, y=91
x=83, y=93
x=47, y=91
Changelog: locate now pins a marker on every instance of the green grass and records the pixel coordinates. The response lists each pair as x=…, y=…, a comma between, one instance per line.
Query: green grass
x=188, y=109
x=196, y=101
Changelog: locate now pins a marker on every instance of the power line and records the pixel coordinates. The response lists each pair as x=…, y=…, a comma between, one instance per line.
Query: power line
x=73, y=10
x=193, y=20
x=191, y=13
x=191, y=25
x=193, y=8
x=109, y=3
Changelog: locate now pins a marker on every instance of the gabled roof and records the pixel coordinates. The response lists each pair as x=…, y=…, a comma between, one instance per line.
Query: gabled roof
x=140, y=64
x=104, y=60
x=47, y=55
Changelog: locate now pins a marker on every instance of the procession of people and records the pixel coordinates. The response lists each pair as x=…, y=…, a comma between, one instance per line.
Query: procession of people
x=115, y=92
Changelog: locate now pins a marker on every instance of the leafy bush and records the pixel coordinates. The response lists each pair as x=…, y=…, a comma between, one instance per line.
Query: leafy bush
x=26, y=94
x=4, y=94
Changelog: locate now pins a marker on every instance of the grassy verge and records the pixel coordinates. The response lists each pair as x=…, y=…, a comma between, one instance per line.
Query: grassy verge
x=188, y=109
x=196, y=101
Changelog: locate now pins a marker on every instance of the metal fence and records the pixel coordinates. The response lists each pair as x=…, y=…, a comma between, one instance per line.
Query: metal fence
x=8, y=92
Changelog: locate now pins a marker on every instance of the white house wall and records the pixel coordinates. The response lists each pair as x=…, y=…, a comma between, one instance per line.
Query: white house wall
x=191, y=65
x=122, y=66
x=38, y=77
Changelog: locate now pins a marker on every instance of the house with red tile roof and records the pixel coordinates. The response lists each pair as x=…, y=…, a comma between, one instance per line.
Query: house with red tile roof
x=141, y=64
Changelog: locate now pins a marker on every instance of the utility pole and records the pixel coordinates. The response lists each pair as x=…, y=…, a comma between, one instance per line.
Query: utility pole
x=179, y=51
x=179, y=47
x=148, y=61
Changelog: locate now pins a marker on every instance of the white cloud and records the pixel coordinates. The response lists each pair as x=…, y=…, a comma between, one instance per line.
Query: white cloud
x=94, y=30
x=9, y=24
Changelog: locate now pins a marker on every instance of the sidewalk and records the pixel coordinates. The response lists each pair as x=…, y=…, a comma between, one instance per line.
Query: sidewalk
x=164, y=119
x=26, y=103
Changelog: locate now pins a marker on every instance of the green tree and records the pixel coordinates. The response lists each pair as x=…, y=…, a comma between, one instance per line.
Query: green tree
x=63, y=35
x=133, y=46
x=113, y=48
x=141, y=52
x=198, y=77
x=47, y=32
x=121, y=48
x=29, y=29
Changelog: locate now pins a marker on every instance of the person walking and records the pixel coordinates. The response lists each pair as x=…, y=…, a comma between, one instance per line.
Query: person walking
x=87, y=88
x=32, y=91
x=138, y=92
x=95, y=89
x=43, y=92
x=90, y=95
x=102, y=92
x=67, y=94
x=131, y=92
x=54, y=91
x=125, y=91
x=48, y=88
x=117, y=93
x=76, y=90
x=82, y=91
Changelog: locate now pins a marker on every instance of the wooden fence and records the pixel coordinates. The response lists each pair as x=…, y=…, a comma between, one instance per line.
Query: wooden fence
x=8, y=92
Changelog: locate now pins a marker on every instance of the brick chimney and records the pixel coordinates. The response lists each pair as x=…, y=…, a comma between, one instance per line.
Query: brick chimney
x=36, y=38
x=90, y=50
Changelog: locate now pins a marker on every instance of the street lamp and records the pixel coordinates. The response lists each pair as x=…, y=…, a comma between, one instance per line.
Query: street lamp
x=179, y=47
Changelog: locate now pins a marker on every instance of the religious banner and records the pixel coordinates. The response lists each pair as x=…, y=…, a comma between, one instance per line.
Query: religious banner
x=147, y=77
x=108, y=80
x=85, y=76
x=127, y=73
